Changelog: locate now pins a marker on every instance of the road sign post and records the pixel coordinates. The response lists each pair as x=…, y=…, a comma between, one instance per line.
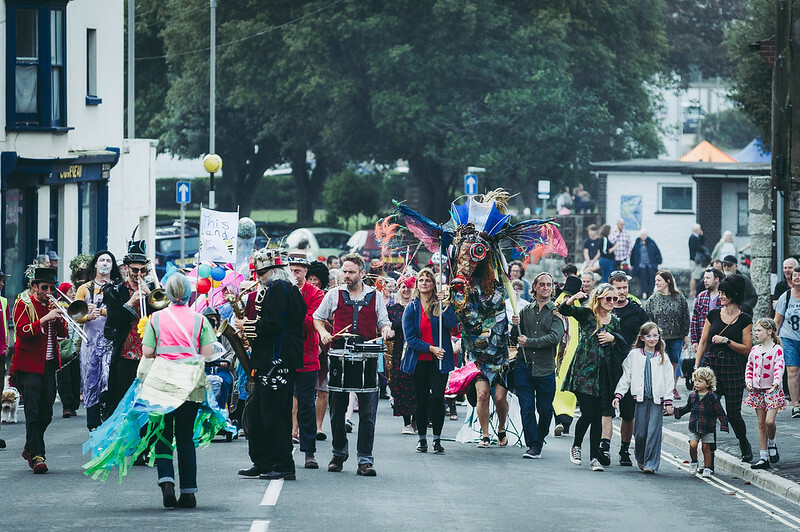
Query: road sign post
x=470, y=184
x=183, y=195
x=544, y=194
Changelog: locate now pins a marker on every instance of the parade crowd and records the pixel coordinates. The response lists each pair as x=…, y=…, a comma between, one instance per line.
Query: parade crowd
x=158, y=373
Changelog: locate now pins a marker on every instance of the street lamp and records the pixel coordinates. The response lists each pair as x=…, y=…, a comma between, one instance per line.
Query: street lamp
x=212, y=103
x=212, y=164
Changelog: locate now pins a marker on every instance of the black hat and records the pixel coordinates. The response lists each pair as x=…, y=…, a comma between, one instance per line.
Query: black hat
x=320, y=271
x=44, y=275
x=137, y=252
x=572, y=285
x=730, y=259
x=52, y=255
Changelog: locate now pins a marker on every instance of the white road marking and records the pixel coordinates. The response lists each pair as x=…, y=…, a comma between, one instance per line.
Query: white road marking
x=272, y=493
x=259, y=526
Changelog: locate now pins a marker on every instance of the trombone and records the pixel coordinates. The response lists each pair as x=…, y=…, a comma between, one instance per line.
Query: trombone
x=76, y=310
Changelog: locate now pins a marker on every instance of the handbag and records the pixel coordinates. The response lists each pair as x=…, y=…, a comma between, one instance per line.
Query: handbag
x=460, y=379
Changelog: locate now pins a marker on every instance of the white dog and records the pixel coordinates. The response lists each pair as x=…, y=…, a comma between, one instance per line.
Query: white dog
x=10, y=402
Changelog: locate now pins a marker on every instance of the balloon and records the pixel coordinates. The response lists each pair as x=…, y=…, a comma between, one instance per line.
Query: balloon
x=204, y=270
x=218, y=273
x=215, y=284
x=203, y=286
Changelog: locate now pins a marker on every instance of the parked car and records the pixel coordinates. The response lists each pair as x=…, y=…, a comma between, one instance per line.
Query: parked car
x=322, y=241
x=168, y=247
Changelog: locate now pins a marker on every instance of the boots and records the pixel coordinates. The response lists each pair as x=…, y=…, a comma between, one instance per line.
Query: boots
x=605, y=452
x=168, y=494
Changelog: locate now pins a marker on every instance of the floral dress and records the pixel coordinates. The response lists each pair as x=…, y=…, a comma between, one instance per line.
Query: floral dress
x=402, y=384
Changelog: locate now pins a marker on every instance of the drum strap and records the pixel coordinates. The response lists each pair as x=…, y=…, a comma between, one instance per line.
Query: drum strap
x=356, y=306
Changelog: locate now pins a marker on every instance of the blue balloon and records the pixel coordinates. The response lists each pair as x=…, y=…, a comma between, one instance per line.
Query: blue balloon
x=218, y=273
x=203, y=271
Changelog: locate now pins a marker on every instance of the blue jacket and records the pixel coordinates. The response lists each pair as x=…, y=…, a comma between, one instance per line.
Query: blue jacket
x=653, y=257
x=414, y=343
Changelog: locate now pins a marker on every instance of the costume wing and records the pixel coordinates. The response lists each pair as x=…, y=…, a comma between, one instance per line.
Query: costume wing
x=539, y=237
x=428, y=232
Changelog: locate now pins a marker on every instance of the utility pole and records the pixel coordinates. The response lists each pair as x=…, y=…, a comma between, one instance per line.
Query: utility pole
x=212, y=103
x=131, y=68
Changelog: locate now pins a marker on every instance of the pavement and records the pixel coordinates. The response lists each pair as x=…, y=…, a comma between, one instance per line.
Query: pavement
x=783, y=480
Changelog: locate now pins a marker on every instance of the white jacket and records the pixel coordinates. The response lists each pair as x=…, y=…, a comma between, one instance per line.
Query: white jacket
x=633, y=377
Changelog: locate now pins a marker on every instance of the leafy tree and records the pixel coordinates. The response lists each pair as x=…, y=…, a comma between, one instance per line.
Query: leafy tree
x=729, y=129
x=348, y=194
x=752, y=76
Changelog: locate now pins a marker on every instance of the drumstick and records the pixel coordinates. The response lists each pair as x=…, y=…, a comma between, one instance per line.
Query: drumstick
x=373, y=340
x=340, y=332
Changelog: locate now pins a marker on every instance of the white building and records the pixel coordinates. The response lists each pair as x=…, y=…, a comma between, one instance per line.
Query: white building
x=70, y=182
x=666, y=198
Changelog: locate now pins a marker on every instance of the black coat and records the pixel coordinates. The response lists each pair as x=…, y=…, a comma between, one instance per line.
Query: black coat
x=632, y=316
x=279, y=327
x=120, y=317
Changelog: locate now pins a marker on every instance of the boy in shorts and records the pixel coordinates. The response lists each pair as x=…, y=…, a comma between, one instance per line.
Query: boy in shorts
x=705, y=409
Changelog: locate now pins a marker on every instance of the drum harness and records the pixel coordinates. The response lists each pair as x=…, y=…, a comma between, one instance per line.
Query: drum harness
x=357, y=305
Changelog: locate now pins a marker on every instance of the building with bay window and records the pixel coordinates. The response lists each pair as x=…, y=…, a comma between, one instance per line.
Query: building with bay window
x=70, y=182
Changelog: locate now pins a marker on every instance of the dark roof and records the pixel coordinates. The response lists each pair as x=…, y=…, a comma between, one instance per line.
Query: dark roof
x=682, y=167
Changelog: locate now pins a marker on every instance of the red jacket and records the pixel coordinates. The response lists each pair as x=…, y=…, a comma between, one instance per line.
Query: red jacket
x=313, y=298
x=30, y=346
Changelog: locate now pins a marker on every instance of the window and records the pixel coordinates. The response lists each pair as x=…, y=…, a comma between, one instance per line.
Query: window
x=91, y=68
x=742, y=215
x=36, y=47
x=675, y=198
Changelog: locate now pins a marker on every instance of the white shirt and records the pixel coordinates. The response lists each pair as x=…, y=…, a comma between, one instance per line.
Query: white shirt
x=331, y=301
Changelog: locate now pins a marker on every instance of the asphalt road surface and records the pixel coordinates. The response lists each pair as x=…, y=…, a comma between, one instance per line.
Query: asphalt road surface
x=465, y=489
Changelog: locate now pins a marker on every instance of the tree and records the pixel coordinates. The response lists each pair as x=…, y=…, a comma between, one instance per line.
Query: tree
x=729, y=129
x=348, y=194
x=752, y=76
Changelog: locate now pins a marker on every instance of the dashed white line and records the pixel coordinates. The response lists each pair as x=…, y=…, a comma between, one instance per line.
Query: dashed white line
x=272, y=493
x=259, y=526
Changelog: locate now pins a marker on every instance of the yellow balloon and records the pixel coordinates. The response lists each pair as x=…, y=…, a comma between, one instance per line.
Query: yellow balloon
x=215, y=284
x=212, y=163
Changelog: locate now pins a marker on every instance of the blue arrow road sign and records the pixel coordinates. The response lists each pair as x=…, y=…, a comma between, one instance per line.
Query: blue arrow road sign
x=183, y=192
x=470, y=184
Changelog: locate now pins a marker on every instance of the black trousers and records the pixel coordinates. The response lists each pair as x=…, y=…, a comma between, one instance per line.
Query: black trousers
x=429, y=385
x=120, y=377
x=39, y=392
x=68, y=379
x=591, y=414
x=269, y=427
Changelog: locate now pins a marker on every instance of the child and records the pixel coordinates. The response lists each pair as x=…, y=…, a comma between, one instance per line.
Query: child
x=763, y=377
x=647, y=373
x=705, y=409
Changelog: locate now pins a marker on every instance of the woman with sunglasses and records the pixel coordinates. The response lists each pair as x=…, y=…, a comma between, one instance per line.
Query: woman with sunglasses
x=669, y=309
x=595, y=369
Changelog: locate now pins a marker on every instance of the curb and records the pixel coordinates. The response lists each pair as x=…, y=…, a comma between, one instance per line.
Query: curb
x=779, y=486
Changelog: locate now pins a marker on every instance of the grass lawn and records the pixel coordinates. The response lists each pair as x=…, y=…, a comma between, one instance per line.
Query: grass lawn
x=278, y=215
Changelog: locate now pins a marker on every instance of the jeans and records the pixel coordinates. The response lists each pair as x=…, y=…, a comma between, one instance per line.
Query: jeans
x=39, y=393
x=224, y=393
x=527, y=387
x=367, y=409
x=647, y=279
x=270, y=427
x=606, y=267
x=305, y=384
x=429, y=385
x=179, y=422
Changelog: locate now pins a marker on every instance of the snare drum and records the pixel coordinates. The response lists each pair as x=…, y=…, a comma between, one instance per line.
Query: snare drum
x=350, y=370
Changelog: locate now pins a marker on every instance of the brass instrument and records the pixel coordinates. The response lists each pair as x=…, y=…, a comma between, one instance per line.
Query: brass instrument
x=158, y=299
x=76, y=309
x=66, y=315
x=238, y=305
x=237, y=343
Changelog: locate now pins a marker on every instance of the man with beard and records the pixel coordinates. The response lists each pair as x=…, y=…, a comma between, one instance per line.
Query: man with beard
x=631, y=316
x=274, y=325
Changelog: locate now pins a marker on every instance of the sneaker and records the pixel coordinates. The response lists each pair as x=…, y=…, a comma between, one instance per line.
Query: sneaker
x=336, y=464
x=648, y=471
x=773, y=457
x=625, y=458
x=321, y=436
x=422, y=446
x=437, y=446
x=534, y=451
x=575, y=455
x=796, y=411
x=27, y=456
x=311, y=462
x=39, y=467
x=558, y=430
x=295, y=440
x=761, y=464
x=707, y=472
x=595, y=465
x=605, y=456
x=694, y=467
x=408, y=429
x=348, y=426
x=366, y=470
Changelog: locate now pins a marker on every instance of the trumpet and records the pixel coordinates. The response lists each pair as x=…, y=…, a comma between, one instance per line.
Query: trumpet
x=68, y=317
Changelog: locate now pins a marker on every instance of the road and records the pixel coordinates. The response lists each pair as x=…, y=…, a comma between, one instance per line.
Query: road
x=465, y=489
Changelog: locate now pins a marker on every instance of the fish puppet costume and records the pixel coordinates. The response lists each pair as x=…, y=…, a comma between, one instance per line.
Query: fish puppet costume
x=475, y=237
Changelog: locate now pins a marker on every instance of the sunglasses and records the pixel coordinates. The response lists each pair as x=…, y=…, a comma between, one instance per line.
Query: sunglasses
x=47, y=287
x=611, y=299
x=144, y=269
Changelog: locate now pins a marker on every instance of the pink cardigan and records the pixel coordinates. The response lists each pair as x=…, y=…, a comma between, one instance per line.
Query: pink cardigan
x=764, y=368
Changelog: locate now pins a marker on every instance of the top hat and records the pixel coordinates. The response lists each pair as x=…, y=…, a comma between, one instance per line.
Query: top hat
x=44, y=275
x=572, y=285
x=264, y=259
x=137, y=252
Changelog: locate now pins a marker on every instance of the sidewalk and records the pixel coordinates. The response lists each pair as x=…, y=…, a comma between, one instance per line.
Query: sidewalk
x=782, y=480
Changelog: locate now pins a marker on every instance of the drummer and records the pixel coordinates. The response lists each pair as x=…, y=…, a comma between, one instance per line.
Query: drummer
x=360, y=310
